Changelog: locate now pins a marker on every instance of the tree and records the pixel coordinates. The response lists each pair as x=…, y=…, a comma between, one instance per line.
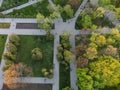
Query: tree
x=98, y=39
x=54, y=15
x=74, y=4
x=99, y=12
x=101, y=40
x=14, y=72
x=11, y=48
x=46, y=23
x=91, y=53
x=104, y=2
x=86, y=21
x=60, y=56
x=81, y=62
x=10, y=56
x=80, y=49
x=66, y=12
x=65, y=40
x=40, y=19
x=36, y=54
x=68, y=56
x=111, y=51
x=14, y=39
x=117, y=13
x=105, y=72
x=85, y=82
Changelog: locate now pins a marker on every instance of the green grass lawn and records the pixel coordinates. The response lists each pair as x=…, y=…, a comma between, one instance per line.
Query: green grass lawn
x=11, y=3
x=31, y=11
x=64, y=79
x=28, y=43
x=2, y=44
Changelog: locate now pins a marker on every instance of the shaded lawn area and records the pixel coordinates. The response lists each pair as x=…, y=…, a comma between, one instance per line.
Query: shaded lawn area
x=28, y=43
x=31, y=11
x=12, y=3
x=64, y=79
x=2, y=44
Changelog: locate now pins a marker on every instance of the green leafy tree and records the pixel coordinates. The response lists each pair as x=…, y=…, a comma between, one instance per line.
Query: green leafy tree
x=85, y=82
x=11, y=48
x=40, y=19
x=10, y=56
x=105, y=72
x=14, y=39
x=104, y=2
x=98, y=39
x=68, y=56
x=36, y=54
x=99, y=12
x=86, y=21
x=91, y=53
x=68, y=10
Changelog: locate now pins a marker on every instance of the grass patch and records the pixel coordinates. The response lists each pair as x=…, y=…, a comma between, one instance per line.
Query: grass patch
x=28, y=43
x=4, y=25
x=64, y=77
x=12, y=3
x=2, y=44
x=31, y=11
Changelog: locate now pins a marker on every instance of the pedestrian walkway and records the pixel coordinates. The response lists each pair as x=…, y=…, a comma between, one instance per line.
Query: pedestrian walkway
x=56, y=63
x=1, y=2
x=36, y=80
x=20, y=7
x=73, y=76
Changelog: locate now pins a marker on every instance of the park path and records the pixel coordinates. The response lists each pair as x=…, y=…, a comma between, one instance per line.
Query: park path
x=73, y=76
x=1, y=2
x=20, y=7
x=56, y=63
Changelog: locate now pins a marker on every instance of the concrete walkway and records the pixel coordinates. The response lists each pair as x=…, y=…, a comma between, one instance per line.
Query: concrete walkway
x=56, y=63
x=36, y=80
x=20, y=7
x=1, y=2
